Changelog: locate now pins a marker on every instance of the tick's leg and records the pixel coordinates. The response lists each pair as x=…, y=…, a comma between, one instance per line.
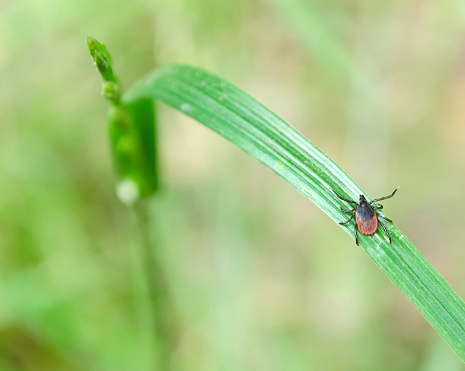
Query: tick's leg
x=377, y=207
x=356, y=235
x=384, y=198
x=385, y=230
x=380, y=216
x=347, y=221
x=347, y=211
x=344, y=199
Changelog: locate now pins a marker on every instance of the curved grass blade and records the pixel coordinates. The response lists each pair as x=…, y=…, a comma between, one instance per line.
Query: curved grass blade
x=252, y=127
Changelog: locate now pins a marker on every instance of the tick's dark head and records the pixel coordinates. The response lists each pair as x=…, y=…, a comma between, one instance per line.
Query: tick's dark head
x=362, y=200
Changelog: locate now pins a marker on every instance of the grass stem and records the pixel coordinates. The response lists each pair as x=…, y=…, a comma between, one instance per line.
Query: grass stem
x=162, y=317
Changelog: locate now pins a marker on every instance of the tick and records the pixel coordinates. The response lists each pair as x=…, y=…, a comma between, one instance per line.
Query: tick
x=366, y=215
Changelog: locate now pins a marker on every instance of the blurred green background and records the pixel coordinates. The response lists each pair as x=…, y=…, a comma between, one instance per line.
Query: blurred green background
x=261, y=278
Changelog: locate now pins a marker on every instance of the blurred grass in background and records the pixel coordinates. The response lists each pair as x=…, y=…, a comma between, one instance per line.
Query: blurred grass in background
x=255, y=269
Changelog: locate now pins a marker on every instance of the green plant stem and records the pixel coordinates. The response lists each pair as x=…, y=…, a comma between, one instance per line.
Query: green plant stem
x=161, y=309
x=133, y=146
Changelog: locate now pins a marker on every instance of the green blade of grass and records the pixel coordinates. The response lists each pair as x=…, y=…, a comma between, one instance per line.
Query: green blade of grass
x=252, y=127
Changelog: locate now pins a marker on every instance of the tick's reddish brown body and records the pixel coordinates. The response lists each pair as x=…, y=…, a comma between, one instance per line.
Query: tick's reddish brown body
x=365, y=224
